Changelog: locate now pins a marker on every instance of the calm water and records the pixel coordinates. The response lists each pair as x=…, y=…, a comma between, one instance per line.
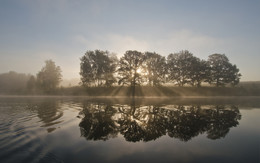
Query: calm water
x=37, y=129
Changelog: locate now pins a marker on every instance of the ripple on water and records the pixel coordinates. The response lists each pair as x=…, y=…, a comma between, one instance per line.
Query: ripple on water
x=22, y=131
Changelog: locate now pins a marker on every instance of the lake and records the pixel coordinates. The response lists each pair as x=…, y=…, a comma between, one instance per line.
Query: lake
x=80, y=129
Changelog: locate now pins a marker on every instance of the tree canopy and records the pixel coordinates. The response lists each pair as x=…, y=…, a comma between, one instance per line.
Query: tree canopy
x=98, y=68
x=181, y=67
x=130, y=67
x=155, y=68
x=222, y=71
x=49, y=77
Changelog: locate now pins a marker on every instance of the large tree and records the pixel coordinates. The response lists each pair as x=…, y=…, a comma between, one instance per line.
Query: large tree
x=181, y=66
x=155, y=68
x=49, y=77
x=97, y=68
x=222, y=72
x=199, y=72
x=129, y=70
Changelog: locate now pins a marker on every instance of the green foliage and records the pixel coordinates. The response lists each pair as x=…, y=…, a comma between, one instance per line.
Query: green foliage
x=129, y=65
x=155, y=68
x=222, y=71
x=136, y=68
x=184, y=68
x=97, y=68
x=149, y=69
x=200, y=72
x=49, y=77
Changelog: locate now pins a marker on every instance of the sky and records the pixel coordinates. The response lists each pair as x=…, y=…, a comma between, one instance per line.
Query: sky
x=32, y=31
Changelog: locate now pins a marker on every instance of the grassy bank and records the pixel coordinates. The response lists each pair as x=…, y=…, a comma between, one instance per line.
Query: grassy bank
x=161, y=91
x=243, y=89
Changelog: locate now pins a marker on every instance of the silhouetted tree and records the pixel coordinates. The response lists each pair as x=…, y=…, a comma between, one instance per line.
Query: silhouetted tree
x=200, y=72
x=155, y=68
x=234, y=75
x=49, y=77
x=97, y=68
x=129, y=65
x=222, y=71
x=110, y=75
x=181, y=67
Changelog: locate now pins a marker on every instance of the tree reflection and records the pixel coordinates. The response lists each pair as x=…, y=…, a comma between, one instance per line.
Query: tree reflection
x=146, y=123
x=49, y=113
x=222, y=121
x=97, y=123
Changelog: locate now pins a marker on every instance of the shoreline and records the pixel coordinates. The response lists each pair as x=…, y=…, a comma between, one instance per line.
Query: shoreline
x=129, y=97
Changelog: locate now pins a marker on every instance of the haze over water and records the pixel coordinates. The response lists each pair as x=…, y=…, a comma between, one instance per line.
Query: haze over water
x=129, y=81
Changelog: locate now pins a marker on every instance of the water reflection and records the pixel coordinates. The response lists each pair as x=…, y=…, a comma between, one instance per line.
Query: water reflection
x=166, y=124
x=149, y=122
x=49, y=113
x=98, y=123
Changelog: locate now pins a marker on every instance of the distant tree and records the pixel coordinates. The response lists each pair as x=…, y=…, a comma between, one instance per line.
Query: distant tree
x=155, y=68
x=31, y=83
x=181, y=67
x=129, y=65
x=97, y=68
x=49, y=77
x=222, y=72
x=13, y=82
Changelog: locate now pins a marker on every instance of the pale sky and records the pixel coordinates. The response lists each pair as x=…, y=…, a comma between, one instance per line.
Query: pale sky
x=32, y=31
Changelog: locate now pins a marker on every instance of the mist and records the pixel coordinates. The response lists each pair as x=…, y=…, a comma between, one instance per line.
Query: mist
x=129, y=81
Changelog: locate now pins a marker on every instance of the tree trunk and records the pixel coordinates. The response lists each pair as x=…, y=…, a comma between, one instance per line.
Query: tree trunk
x=217, y=83
x=133, y=85
x=198, y=84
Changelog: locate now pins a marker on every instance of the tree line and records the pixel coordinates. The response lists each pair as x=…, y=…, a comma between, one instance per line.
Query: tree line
x=45, y=81
x=102, y=68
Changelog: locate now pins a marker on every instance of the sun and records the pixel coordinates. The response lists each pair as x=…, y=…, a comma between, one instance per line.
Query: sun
x=139, y=71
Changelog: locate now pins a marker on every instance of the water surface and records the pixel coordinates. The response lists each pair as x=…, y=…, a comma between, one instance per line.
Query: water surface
x=64, y=129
